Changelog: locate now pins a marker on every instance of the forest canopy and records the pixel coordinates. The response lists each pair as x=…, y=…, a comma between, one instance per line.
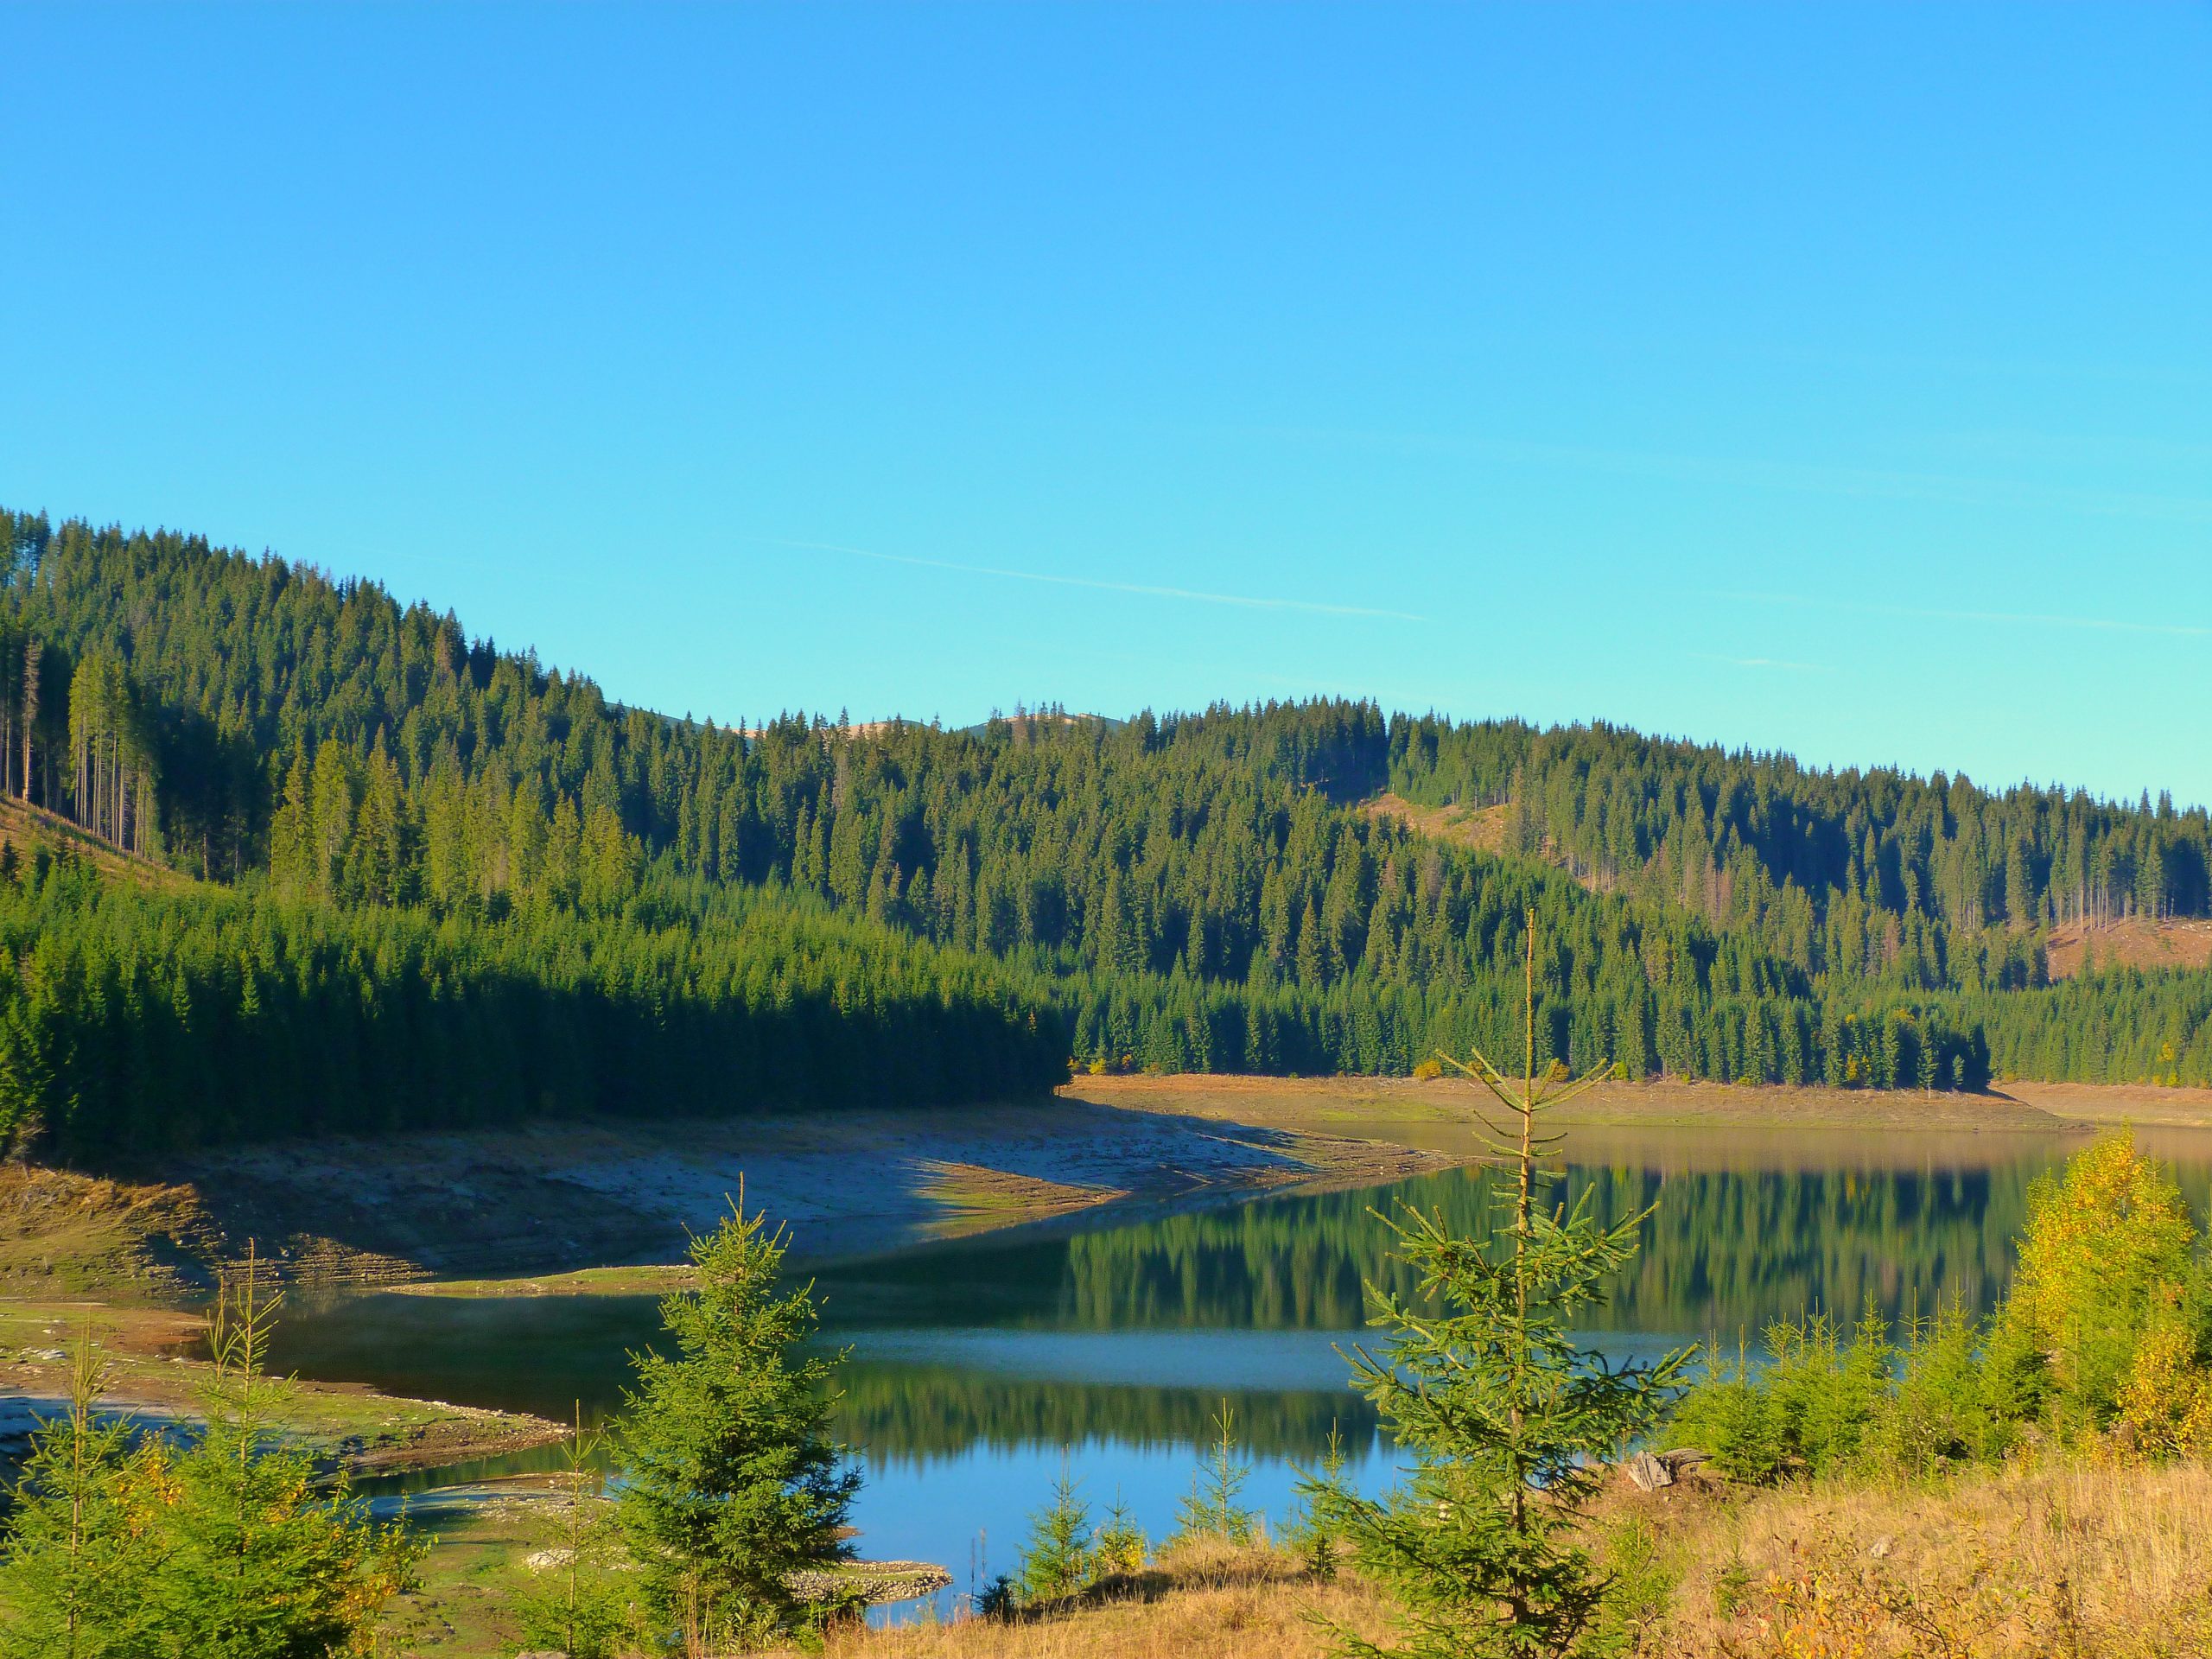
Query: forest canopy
x=372, y=804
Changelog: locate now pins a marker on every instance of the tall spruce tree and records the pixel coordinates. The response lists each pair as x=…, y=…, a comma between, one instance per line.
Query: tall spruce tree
x=731, y=1481
x=1506, y=1417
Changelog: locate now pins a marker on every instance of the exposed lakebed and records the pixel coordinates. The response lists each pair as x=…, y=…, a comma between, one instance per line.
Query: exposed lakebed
x=977, y=1365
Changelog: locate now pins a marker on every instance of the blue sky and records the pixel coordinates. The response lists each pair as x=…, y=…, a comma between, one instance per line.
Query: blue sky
x=1808, y=377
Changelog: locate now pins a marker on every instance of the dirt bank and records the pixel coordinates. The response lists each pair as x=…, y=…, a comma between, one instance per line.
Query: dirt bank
x=552, y=1200
x=1688, y=1125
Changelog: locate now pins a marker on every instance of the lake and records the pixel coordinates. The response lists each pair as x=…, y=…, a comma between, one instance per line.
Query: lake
x=978, y=1366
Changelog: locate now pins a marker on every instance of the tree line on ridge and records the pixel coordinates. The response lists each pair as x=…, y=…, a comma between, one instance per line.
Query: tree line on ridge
x=1195, y=892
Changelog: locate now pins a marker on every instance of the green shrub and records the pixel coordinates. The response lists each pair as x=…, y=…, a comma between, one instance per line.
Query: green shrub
x=1806, y=1409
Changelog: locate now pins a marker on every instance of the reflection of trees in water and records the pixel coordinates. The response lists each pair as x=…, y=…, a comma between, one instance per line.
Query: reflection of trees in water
x=895, y=1412
x=1726, y=1249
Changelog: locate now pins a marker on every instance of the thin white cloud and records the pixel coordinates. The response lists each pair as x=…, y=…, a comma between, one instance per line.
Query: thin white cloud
x=2010, y=619
x=1248, y=602
x=1761, y=662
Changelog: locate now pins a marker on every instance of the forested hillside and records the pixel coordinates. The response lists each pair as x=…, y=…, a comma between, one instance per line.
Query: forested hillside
x=1194, y=892
x=1719, y=831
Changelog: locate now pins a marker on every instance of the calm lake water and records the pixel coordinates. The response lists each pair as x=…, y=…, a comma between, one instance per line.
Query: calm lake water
x=977, y=1367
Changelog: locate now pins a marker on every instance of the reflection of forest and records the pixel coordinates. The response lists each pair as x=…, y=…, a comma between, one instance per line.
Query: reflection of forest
x=1726, y=1250
x=896, y=1411
x=1729, y=1247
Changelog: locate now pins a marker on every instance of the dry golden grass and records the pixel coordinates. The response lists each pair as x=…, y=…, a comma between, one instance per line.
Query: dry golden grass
x=2074, y=1561
x=27, y=828
x=1195, y=1601
x=2069, y=1562
x=1427, y=1112
x=2135, y=943
x=1482, y=828
x=66, y=1234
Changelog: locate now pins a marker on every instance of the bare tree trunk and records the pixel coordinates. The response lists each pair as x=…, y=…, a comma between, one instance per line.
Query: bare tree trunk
x=33, y=651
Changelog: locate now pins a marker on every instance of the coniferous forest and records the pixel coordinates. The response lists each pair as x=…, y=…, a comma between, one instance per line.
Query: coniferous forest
x=419, y=880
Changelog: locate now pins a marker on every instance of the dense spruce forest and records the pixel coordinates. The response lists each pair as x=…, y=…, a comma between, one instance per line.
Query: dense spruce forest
x=435, y=882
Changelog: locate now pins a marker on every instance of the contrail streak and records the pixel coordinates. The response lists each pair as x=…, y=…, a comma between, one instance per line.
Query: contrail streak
x=1247, y=601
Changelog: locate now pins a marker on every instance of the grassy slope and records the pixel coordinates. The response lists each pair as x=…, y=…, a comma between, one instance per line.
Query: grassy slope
x=64, y=1234
x=2057, y=1564
x=1394, y=1108
x=27, y=828
x=1481, y=827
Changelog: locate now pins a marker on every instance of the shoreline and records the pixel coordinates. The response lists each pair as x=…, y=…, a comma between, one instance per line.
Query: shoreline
x=346, y=1426
x=851, y=1185
x=594, y=1209
x=557, y=1208
x=552, y=1207
x=1381, y=1103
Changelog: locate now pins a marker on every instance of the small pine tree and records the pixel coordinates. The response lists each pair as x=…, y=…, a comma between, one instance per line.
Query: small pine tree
x=1120, y=1545
x=731, y=1481
x=260, y=1556
x=71, y=1575
x=1313, y=1531
x=1506, y=1417
x=574, y=1605
x=1060, y=1558
x=1214, y=1508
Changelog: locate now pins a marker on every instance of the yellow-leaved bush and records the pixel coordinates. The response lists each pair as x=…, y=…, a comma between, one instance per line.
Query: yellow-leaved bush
x=2099, y=1294
x=2166, y=1400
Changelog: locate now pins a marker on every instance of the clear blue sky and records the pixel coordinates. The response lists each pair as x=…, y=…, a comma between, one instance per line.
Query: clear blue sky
x=1827, y=379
